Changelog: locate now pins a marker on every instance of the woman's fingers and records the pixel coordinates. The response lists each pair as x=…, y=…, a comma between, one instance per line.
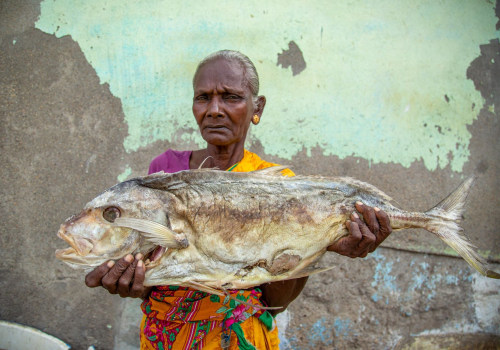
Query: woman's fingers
x=110, y=280
x=125, y=277
x=365, y=234
x=128, y=284
x=385, y=225
x=369, y=217
x=367, y=237
x=377, y=221
x=137, y=289
x=359, y=241
x=94, y=278
x=123, y=286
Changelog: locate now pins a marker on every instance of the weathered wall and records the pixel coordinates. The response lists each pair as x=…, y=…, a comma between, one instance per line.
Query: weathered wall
x=403, y=95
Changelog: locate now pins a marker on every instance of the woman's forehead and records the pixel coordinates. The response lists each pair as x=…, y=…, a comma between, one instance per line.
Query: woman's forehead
x=220, y=72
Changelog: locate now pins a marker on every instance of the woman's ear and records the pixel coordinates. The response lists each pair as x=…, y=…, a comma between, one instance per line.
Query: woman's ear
x=259, y=106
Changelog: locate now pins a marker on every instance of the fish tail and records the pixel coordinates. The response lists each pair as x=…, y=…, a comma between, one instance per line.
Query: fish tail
x=444, y=222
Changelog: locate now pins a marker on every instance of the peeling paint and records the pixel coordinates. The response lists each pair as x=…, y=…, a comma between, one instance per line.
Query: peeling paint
x=487, y=303
x=375, y=72
x=343, y=327
x=382, y=278
x=126, y=173
x=293, y=58
x=320, y=333
x=481, y=70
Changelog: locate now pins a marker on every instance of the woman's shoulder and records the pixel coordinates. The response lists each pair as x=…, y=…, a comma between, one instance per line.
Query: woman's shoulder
x=170, y=161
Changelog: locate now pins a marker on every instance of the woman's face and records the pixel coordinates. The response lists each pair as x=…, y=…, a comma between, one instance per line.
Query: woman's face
x=222, y=103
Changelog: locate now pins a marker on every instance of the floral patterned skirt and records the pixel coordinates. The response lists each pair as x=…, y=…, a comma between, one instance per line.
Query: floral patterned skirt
x=183, y=318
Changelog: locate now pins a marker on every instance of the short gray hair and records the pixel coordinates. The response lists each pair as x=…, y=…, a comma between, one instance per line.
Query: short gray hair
x=249, y=71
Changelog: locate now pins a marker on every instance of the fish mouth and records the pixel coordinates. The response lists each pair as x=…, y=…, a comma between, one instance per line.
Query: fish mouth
x=153, y=258
x=64, y=254
x=78, y=245
x=71, y=257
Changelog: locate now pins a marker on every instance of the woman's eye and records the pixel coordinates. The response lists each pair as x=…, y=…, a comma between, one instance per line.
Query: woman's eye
x=201, y=98
x=111, y=213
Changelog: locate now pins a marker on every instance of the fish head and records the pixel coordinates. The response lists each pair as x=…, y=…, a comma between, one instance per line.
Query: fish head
x=94, y=238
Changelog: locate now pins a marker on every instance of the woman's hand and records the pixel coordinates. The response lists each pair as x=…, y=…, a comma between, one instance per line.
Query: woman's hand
x=364, y=236
x=125, y=277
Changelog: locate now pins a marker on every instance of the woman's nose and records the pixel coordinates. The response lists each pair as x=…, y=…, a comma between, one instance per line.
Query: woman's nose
x=214, y=107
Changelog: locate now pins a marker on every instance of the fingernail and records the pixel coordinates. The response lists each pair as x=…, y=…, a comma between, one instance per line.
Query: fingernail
x=129, y=258
x=359, y=203
x=110, y=264
x=138, y=256
x=140, y=264
x=354, y=215
x=376, y=208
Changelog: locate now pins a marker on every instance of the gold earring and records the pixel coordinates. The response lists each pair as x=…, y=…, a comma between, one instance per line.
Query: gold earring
x=255, y=119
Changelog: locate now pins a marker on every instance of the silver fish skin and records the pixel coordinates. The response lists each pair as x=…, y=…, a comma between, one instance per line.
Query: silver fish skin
x=223, y=230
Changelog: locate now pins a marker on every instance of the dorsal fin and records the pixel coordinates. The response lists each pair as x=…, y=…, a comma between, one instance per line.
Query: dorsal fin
x=271, y=171
x=160, y=181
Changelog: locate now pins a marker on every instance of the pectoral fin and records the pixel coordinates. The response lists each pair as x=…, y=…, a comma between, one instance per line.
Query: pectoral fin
x=155, y=232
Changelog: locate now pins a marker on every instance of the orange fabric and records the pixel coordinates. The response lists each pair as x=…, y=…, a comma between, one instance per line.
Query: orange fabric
x=251, y=162
x=188, y=319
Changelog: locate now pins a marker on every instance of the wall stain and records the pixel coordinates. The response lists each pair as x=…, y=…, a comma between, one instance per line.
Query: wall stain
x=482, y=166
x=484, y=71
x=292, y=58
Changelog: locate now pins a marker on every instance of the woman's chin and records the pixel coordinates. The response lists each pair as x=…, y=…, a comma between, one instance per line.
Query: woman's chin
x=218, y=139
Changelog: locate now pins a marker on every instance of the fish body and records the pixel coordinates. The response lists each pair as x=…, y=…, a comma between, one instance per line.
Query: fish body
x=225, y=230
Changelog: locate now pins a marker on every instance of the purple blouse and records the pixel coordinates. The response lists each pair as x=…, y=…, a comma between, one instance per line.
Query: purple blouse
x=170, y=161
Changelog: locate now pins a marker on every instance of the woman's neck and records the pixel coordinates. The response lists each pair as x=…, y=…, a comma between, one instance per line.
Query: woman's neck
x=220, y=157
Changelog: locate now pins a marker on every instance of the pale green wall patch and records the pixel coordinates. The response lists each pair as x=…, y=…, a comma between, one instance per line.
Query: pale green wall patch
x=126, y=173
x=374, y=86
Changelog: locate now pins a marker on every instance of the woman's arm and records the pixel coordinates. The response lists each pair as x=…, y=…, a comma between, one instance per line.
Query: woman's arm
x=282, y=293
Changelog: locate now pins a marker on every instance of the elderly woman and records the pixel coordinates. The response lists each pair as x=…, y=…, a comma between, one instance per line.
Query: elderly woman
x=225, y=103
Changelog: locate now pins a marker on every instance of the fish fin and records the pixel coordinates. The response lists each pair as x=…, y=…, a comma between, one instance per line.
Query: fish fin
x=367, y=187
x=155, y=232
x=308, y=271
x=204, y=288
x=271, y=171
x=157, y=174
x=224, y=293
x=452, y=207
x=161, y=181
x=445, y=218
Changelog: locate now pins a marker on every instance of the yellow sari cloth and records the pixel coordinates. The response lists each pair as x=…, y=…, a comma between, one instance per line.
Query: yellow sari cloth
x=181, y=318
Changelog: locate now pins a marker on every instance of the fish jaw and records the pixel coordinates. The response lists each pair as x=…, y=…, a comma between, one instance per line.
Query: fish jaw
x=78, y=245
x=76, y=261
x=93, y=241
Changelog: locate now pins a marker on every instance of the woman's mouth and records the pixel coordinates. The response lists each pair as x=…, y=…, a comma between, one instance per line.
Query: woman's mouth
x=215, y=127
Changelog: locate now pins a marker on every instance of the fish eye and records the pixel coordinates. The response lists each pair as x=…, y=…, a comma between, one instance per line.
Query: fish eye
x=111, y=213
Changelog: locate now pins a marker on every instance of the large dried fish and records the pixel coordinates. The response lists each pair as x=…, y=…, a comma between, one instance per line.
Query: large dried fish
x=224, y=230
